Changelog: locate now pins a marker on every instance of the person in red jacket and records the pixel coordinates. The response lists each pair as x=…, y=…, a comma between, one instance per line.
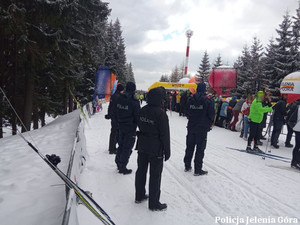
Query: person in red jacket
x=246, y=111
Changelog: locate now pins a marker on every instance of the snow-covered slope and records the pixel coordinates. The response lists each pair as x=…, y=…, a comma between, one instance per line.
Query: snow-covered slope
x=238, y=184
x=30, y=192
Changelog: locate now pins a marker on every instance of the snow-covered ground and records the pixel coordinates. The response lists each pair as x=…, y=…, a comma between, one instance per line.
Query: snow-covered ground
x=30, y=192
x=7, y=131
x=238, y=186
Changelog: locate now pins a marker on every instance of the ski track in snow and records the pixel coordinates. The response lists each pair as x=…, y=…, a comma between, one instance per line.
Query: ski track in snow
x=240, y=182
x=237, y=184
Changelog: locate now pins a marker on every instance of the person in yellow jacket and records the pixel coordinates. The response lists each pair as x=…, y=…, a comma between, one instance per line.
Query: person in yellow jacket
x=178, y=97
x=256, y=115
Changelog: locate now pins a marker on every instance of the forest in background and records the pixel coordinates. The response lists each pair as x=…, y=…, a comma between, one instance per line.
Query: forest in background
x=49, y=51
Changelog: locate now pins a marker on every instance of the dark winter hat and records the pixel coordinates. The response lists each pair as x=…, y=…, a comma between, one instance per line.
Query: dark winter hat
x=201, y=87
x=156, y=95
x=130, y=87
x=120, y=87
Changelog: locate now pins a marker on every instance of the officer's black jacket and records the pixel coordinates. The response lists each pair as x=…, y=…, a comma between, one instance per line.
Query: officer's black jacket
x=200, y=112
x=112, y=105
x=153, y=123
x=280, y=111
x=127, y=110
x=183, y=99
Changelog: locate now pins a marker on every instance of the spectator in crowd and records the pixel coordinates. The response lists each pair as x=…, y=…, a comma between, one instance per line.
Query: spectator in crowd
x=230, y=107
x=290, y=109
x=183, y=100
x=246, y=111
x=267, y=102
x=256, y=115
x=218, y=106
x=236, y=112
x=294, y=122
x=223, y=114
x=178, y=97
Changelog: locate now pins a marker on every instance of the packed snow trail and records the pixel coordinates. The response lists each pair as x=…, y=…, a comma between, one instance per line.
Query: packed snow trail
x=30, y=192
x=238, y=184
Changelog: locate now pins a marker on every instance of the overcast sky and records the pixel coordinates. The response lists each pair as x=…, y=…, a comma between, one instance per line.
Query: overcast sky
x=154, y=30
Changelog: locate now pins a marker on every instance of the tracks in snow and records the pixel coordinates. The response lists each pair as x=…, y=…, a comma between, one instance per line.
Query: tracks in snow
x=262, y=197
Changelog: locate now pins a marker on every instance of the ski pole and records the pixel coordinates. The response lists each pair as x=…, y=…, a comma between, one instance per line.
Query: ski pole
x=268, y=131
x=89, y=202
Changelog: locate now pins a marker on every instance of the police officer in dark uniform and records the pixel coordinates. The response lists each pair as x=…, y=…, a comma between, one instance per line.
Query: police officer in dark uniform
x=153, y=147
x=127, y=110
x=200, y=113
x=278, y=120
x=111, y=114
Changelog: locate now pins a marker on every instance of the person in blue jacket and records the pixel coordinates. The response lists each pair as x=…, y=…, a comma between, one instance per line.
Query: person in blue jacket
x=223, y=113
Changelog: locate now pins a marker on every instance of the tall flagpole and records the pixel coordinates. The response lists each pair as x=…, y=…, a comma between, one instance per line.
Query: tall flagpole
x=189, y=34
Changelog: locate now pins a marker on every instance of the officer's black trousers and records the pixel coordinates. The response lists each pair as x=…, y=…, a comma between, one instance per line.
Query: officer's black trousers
x=156, y=167
x=199, y=140
x=277, y=127
x=126, y=143
x=114, y=136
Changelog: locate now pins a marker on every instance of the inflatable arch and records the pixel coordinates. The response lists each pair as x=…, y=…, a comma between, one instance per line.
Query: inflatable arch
x=173, y=86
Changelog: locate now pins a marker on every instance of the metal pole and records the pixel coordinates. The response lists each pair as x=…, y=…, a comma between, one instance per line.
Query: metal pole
x=189, y=34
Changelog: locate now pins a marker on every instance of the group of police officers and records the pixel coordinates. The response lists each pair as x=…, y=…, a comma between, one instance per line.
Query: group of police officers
x=153, y=136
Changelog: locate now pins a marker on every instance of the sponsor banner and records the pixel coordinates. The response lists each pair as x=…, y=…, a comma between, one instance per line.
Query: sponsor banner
x=288, y=86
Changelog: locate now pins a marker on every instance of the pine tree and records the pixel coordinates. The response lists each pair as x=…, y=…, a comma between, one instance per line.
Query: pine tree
x=269, y=70
x=164, y=78
x=120, y=56
x=295, y=49
x=243, y=67
x=204, y=68
x=256, y=53
x=218, y=62
x=49, y=47
x=175, y=75
x=181, y=70
x=283, y=59
x=129, y=73
x=111, y=48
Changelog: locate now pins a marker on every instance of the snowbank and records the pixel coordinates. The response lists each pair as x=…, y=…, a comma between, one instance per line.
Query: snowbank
x=30, y=192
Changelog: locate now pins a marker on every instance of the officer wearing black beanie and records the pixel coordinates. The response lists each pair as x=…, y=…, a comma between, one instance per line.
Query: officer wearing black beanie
x=127, y=110
x=200, y=112
x=153, y=147
x=111, y=114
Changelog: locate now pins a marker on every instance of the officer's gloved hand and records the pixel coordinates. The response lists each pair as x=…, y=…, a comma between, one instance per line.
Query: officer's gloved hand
x=167, y=156
x=107, y=117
